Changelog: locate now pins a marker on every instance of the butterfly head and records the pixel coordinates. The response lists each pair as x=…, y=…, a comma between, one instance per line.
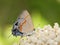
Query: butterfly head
x=15, y=30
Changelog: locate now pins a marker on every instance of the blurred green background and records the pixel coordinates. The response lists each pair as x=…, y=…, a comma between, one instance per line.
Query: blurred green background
x=42, y=12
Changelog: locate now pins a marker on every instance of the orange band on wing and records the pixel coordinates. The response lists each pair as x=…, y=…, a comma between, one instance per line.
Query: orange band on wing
x=21, y=28
x=24, y=22
x=22, y=25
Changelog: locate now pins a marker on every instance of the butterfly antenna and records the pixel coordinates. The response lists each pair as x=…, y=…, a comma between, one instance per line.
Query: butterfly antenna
x=9, y=36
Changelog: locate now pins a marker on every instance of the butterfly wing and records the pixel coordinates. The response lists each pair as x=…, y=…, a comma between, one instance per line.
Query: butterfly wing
x=26, y=25
x=23, y=24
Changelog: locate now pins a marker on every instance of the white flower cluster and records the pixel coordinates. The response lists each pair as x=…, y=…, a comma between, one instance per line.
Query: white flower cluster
x=47, y=36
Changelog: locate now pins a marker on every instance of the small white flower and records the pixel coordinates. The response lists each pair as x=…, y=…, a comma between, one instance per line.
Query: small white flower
x=57, y=38
x=52, y=34
x=47, y=27
x=56, y=26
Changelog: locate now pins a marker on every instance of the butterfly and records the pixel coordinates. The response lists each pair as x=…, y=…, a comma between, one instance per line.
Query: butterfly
x=23, y=25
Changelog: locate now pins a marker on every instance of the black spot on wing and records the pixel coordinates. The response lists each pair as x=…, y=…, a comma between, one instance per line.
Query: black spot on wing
x=21, y=32
x=16, y=32
x=16, y=23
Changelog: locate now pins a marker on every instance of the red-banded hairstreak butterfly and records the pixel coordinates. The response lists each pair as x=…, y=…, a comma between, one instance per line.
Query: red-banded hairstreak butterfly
x=23, y=25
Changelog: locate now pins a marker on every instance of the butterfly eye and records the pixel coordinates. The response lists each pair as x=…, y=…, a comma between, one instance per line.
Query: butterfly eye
x=16, y=23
